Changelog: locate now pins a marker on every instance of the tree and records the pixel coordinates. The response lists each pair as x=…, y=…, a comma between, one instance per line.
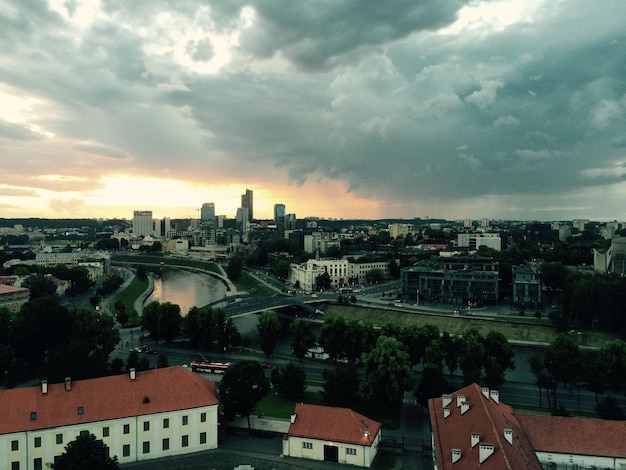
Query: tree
x=86, y=451
x=289, y=381
x=333, y=338
x=562, y=361
x=269, y=332
x=234, y=268
x=499, y=357
x=472, y=356
x=302, y=337
x=387, y=371
x=374, y=276
x=169, y=321
x=39, y=286
x=341, y=387
x=150, y=319
x=282, y=267
x=243, y=385
x=322, y=282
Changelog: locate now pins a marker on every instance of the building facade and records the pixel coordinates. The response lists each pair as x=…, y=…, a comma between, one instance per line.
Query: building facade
x=13, y=298
x=526, y=287
x=139, y=416
x=342, y=272
x=330, y=434
x=143, y=225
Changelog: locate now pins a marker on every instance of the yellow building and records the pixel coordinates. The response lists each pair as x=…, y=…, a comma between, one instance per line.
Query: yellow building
x=139, y=416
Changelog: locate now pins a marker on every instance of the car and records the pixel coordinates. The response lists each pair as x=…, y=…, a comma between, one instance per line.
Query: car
x=267, y=365
x=145, y=350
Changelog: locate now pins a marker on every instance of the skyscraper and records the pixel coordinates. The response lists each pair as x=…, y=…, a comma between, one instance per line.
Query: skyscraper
x=279, y=214
x=207, y=212
x=247, y=203
x=143, y=225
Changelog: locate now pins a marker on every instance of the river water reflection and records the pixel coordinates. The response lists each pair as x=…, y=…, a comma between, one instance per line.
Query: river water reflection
x=186, y=289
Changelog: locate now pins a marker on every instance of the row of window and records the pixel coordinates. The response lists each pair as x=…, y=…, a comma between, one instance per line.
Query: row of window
x=349, y=450
x=165, y=445
x=106, y=431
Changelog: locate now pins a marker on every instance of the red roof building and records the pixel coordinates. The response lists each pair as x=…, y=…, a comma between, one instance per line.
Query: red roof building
x=139, y=416
x=472, y=429
x=332, y=434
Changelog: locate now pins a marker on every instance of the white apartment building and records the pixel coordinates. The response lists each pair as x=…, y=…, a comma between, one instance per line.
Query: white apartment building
x=143, y=225
x=139, y=416
x=341, y=271
x=476, y=240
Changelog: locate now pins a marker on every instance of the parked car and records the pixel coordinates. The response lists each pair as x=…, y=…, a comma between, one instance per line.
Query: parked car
x=146, y=350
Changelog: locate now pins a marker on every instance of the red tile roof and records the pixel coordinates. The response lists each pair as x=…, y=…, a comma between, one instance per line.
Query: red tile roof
x=488, y=419
x=7, y=289
x=579, y=436
x=105, y=398
x=333, y=424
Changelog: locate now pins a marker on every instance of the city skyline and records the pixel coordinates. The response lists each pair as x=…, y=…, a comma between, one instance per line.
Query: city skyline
x=504, y=109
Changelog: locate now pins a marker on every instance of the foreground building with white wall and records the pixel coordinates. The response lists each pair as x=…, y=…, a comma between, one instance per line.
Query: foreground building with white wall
x=139, y=416
x=331, y=434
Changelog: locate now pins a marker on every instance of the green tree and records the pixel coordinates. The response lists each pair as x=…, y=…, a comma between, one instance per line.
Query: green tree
x=39, y=286
x=499, y=357
x=333, y=337
x=302, y=337
x=86, y=451
x=322, y=282
x=472, y=356
x=374, y=276
x=269, y=332
x=169, y=321
x=562, y=360
x=243, y=385
x=387, y=371
x=150, y=319
x=234, y=268
x=341, y=387
x=134, y=361
x=282, y=267
x=289, y=381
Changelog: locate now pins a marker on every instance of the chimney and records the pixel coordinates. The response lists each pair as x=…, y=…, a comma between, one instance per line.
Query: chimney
x=508, y=435
x=484, y=452
x=460, y=399
x=68, y=383
x=464, y=407
x=293, y=418
x=446, y=413
x=486, y=392
x=474, y=439
x=133, y=374
x=495, y=395
x=44, y=387
x=456, y=455
x=446, y=400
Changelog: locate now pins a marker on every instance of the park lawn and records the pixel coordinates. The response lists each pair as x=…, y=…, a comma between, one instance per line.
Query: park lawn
x=128, y=297
x=273, y=405
x=247, y=283
x=514, y=330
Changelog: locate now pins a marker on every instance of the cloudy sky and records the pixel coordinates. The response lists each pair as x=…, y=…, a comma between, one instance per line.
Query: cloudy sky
x=512, y=109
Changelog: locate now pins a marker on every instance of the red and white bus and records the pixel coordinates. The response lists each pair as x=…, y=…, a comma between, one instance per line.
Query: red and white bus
x=209, y=367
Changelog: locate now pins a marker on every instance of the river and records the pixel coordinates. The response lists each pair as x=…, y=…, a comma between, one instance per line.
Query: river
x=186, y=289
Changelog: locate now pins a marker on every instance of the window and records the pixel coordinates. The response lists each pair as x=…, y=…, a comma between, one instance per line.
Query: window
x=105, y=431
x=38, y=464
x=38, y=442
x=146, y=447
x=126, y=450
x=166, y=423
x=146, y=425
x=307, y=445
x=350, y=451
x=127, y=429
x=202, y=438
x=166, y=443
x=80, y=410
x=59, y=438
x=33, y=415
x=15, y=466
x=203, y=417
x=15, y=445
x=185, y=420
x=84, y=433
x=185, y=441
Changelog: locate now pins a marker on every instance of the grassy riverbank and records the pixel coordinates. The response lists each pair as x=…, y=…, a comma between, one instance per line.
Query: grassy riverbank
x=514, y=331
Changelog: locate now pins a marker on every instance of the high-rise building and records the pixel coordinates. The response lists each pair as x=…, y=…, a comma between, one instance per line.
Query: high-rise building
x=143, y=225
x=248, y=203
x=207, y=212
x=279, y=214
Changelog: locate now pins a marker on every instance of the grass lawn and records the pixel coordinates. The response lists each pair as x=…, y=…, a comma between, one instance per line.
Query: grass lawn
x=249, y=284
x=513, y=330
x=128, y=297
x=272, y=405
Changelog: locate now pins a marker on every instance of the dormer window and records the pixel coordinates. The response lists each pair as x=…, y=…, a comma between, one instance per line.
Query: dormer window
x=33, y=416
